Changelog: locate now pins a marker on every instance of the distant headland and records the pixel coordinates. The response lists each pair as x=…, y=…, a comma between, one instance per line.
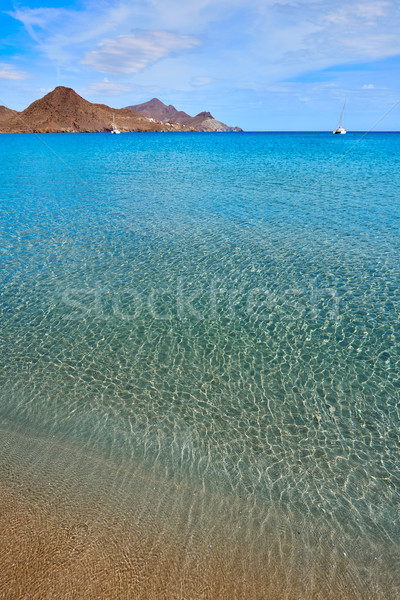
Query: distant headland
x=63, y=110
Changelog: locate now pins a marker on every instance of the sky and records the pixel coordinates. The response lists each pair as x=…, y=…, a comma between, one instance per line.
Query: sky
x=265, y=65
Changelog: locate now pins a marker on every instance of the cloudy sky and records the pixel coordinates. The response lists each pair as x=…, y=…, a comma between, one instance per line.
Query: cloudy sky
x=260, y=64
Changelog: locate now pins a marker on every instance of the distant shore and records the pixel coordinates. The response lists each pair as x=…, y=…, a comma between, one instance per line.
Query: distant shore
x=64, y=111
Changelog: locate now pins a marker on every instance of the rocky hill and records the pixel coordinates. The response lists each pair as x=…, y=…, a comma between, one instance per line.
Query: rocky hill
x=204, y=121
x=6, y=114
x=63, y=110
x=155, y=109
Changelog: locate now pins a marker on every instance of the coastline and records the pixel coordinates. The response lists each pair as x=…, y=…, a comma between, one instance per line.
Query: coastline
x=107, y=544
x=122, y=132
x=80, y=116
x=134, y=538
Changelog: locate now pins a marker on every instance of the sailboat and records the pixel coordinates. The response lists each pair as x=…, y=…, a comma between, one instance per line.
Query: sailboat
x=340, y=129
x=114, y=127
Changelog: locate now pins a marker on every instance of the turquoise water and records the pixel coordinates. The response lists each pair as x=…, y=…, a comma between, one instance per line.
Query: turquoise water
x=222, y=308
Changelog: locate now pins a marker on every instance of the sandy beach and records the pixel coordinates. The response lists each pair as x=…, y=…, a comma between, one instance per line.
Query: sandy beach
x=63, y=536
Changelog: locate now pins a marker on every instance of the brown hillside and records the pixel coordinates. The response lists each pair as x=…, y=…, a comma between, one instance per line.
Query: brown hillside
x=156, y=109
x=63, y=110
x=6, y=114
x=204, y=121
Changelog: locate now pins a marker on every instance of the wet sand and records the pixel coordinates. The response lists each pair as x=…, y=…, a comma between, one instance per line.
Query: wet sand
x=56, y=552
x=48, y=556
x=138, y=537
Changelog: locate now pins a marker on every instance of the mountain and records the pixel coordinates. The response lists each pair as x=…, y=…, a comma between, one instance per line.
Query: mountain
x=63, y=110
x=204, y=121
x=6, y=113
x=155, y=109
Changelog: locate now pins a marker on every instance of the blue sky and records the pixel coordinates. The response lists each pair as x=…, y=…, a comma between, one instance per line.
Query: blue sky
x=261, y=64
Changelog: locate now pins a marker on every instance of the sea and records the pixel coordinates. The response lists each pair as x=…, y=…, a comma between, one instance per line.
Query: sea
x=200, y=353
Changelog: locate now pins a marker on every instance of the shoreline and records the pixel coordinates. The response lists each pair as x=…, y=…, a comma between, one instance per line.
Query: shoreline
x=123, y=132
x=93, y=531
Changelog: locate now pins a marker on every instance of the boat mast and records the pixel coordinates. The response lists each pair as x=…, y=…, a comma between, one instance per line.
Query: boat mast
x=341, y=116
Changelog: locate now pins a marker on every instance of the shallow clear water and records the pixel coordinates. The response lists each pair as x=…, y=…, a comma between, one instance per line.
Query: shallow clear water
x=223, y=309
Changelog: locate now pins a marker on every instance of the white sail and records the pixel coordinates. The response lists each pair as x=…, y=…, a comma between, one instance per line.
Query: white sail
x=114, y=126
x=340, y=129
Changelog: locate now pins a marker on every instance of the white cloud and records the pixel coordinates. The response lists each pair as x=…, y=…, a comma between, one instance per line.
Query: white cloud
x=60, y=33
x=372, y=10
x=366, y=13
x=9, y=72
x=357, y=32
x=35, y=18
x=263, y=41
x=132, y=53
x=107, y=87
x=368, y=86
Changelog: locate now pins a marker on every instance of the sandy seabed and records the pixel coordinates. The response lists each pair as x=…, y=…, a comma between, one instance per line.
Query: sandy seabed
x=64, y=553
x=62, y=538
